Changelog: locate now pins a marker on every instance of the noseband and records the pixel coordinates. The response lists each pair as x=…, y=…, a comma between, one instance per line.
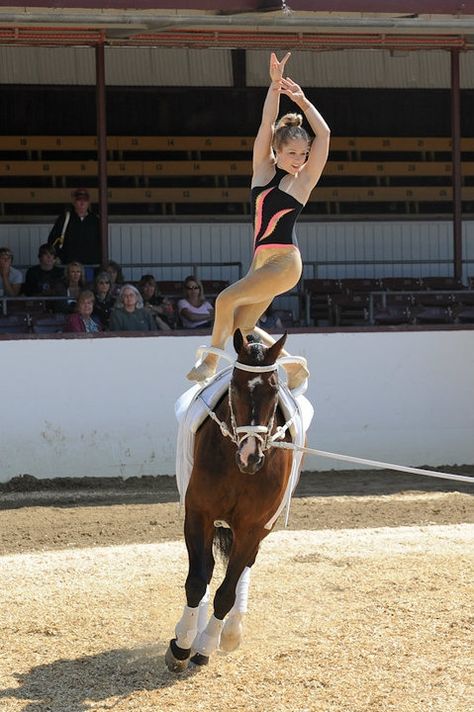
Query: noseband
x=261, y=432
x=239, y=433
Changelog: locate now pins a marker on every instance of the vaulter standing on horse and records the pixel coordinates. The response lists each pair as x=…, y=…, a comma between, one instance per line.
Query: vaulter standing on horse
x=286, y=167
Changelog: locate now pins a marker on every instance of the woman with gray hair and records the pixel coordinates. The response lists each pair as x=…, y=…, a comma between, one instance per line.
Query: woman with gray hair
x=129, y=314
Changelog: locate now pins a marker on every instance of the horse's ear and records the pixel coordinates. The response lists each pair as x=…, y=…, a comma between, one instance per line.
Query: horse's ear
x=274, y=351
x=238, y=340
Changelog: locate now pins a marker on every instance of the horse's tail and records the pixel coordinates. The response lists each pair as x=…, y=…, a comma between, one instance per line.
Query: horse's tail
x=223, y=539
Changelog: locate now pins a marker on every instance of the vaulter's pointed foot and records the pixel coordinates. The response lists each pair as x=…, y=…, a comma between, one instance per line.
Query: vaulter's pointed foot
x=201, y=373
x=297, y=375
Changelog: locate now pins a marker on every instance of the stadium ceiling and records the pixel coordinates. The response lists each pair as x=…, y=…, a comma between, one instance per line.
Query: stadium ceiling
x=296, y=24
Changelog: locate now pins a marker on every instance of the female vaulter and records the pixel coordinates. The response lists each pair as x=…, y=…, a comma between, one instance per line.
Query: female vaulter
x=286, y=167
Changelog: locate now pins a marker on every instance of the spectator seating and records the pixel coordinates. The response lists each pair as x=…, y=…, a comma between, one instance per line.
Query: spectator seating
x=429, y=300
x=350, y=309
x=285, y=316
x=317, y=294
x=463, y=309
x=48, y=323
x=410, y=173
x=393, y=309
x=433, y=308
x=15, y=323
x=402, y=284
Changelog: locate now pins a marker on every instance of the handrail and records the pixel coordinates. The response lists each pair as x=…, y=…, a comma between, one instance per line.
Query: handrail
x=193, y=265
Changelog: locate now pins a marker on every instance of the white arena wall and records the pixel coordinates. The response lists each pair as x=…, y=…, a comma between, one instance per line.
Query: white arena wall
x=105, y=406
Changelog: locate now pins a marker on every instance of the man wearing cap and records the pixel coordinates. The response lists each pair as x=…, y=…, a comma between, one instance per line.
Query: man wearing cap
x=76, y=233
x=42, y=278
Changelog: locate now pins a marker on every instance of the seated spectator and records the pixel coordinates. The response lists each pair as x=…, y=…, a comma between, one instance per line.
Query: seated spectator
x=194, y=310
x=269, y=320
x=129, y=314
x=83, y=320
x=161, y=307
x=116, y=276
x=41, y=279
x=11, y=279
x=71, y=285
x=104, y=301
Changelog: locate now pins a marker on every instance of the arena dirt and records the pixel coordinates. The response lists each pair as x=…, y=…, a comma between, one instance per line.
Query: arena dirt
x=363, y=604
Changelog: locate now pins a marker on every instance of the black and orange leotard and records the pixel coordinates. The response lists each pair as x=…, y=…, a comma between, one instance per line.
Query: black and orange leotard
x=274, y=214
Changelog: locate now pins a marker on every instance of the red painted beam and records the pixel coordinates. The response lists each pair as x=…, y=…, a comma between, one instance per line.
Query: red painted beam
x=398, y=7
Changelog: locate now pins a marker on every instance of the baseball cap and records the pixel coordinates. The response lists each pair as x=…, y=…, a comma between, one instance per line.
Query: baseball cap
x=81, y=193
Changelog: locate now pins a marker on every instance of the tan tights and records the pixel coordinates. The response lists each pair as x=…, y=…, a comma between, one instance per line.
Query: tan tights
x=274, y=270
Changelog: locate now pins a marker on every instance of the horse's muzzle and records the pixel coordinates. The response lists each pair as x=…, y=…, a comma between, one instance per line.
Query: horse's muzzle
x=251, y=463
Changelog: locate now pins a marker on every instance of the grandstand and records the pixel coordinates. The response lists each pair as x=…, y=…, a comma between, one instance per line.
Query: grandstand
x=158, y=121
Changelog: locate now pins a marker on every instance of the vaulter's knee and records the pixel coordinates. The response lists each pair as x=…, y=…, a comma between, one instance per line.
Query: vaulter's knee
x=224, y=300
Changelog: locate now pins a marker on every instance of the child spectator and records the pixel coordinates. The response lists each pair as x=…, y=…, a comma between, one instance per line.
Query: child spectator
x=41, y=279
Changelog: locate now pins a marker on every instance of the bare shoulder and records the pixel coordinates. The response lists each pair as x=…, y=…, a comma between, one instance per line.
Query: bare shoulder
x=263, y=172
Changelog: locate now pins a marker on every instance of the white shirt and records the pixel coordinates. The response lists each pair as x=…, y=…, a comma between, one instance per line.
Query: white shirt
x=16, y=277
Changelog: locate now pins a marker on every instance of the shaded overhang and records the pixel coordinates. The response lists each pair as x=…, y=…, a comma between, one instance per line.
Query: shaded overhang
x=295, y=24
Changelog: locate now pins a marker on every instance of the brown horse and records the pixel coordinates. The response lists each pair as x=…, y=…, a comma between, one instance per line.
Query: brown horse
x=237, y=484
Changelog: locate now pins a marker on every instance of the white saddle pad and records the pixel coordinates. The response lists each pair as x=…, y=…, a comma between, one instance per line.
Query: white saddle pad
x=191, y=413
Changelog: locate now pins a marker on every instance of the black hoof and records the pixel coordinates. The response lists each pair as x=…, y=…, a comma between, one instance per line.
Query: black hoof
x=199, y=659
x=176, y=658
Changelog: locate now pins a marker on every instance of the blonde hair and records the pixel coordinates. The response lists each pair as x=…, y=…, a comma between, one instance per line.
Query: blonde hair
x=192, y=278
x=288, y=128
x=67, y=276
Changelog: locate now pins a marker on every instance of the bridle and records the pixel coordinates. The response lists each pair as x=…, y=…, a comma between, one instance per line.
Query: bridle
x=239, y=433
x=261, y=432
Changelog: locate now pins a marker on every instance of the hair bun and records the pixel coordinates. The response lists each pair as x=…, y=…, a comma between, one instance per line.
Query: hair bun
x=289, y=120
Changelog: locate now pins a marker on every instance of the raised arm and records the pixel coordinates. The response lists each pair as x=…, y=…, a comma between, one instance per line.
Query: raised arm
x=318, y=155
x=262, y=148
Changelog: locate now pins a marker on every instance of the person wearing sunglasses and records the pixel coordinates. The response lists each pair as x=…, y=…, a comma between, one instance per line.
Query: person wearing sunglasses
x=194, y=311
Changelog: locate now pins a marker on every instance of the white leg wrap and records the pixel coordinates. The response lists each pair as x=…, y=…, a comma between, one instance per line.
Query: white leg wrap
x=207, y=642
x=203, y=606
x=186, y=628
x=242, y=592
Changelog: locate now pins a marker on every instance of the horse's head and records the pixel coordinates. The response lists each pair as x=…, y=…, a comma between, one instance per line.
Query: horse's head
x=253, y=398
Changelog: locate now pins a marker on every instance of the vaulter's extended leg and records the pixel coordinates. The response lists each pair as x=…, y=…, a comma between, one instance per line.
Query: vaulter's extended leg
x=245, y=301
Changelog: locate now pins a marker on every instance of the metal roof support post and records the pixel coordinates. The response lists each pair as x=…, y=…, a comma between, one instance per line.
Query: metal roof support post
x=456, y=162
x=102, y=149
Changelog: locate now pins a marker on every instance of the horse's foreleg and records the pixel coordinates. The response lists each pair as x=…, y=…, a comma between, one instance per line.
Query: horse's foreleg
x=226, y=595
x=199, y=536
x=231, y=635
